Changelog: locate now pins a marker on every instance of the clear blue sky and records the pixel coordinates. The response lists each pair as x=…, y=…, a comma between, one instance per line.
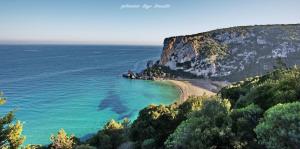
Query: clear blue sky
x=104, y=22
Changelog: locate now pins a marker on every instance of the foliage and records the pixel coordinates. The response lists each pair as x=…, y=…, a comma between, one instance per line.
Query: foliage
x=30, y=146
x=280, y=127
x=62, y=140
x=235, y=91
x=244, y=120
x=210, y=127
x=112, y=135
x=194, y=103
x=84, y=146
x=279, y=86
x=211, y=47
x=160, y=71
x=151, y=124
x=148, y=144
x=2, y=99
x=10, y=134
x=155, y=123
x=15, y=138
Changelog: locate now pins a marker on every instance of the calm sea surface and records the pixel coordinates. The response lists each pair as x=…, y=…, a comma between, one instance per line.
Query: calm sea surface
x=77, y=88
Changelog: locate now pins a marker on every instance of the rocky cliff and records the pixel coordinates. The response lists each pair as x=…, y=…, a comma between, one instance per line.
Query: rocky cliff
x=233, y=53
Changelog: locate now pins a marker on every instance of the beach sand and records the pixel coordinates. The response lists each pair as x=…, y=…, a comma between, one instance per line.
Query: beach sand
x=197, y=87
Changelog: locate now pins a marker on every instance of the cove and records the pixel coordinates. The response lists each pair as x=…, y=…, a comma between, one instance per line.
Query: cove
x=78, y=88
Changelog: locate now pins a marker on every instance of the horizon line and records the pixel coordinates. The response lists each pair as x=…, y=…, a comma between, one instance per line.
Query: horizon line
x=77, y=44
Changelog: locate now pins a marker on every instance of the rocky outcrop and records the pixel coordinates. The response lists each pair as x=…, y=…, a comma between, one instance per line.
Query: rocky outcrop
x=154, y=71
x=233, y=53
x=131, y=75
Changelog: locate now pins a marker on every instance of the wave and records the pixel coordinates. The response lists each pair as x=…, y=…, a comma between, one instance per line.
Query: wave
x=31, y=50
x=53, y=57
x=37, y=58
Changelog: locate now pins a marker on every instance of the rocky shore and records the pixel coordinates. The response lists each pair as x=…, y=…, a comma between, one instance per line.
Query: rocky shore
x=155, y=71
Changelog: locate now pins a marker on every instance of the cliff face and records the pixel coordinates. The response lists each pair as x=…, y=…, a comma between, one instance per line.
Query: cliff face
x=233, y=53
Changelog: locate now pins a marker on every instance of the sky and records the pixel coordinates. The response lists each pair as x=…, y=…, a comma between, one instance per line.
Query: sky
x=133, y=22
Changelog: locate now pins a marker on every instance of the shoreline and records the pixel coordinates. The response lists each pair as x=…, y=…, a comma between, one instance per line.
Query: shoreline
x=196, y=87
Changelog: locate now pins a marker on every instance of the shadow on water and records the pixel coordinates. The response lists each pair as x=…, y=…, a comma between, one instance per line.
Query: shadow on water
x=113, y=101
x=149, y=96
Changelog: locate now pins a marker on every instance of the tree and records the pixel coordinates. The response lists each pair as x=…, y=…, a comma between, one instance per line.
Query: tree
x=194, y=103
x=154, y=124
x=279, y=86
x=280, y=127
x=15, y=138
x=210, y=127
x=244, y=120
x=10, y=134
x=62, y=140
x=111, y=136
x=2, y=99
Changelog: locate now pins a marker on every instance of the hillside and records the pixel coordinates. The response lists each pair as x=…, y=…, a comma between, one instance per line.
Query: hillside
x=233, y=53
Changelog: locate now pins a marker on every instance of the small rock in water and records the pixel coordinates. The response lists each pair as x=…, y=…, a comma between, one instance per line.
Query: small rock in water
x=130, y=75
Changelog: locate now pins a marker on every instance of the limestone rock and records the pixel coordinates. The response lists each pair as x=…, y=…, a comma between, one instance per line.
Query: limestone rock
x=233, y=53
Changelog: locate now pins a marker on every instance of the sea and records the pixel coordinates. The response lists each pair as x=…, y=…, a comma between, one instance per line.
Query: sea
x=76, y=87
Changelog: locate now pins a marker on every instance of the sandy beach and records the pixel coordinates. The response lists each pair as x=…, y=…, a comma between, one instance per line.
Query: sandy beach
x=197, y=87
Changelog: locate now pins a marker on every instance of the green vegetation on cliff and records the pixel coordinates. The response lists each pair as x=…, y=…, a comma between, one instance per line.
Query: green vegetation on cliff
x=280, y=126
x=279, y=86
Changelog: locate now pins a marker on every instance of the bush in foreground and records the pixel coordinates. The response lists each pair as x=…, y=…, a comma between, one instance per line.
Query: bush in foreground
x=155, y=123
x=112, y=135
x=210, y=127
x=280, y=127
x=62, y=141
x=244, y=120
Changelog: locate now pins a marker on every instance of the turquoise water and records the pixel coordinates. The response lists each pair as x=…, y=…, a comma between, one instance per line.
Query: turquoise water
x=77, y=88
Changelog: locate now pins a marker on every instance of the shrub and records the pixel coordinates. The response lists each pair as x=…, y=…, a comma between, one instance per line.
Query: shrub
x=2, y=99
x=279, y=86
x=194, y=103
x=152, y=123
x=62, y=140
x=235, y=91
x=112, y=135
x=280, y=127
x=244, y=120
x=148, y=144
x=156, y=123
x=33, y=146
x=209, y=127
